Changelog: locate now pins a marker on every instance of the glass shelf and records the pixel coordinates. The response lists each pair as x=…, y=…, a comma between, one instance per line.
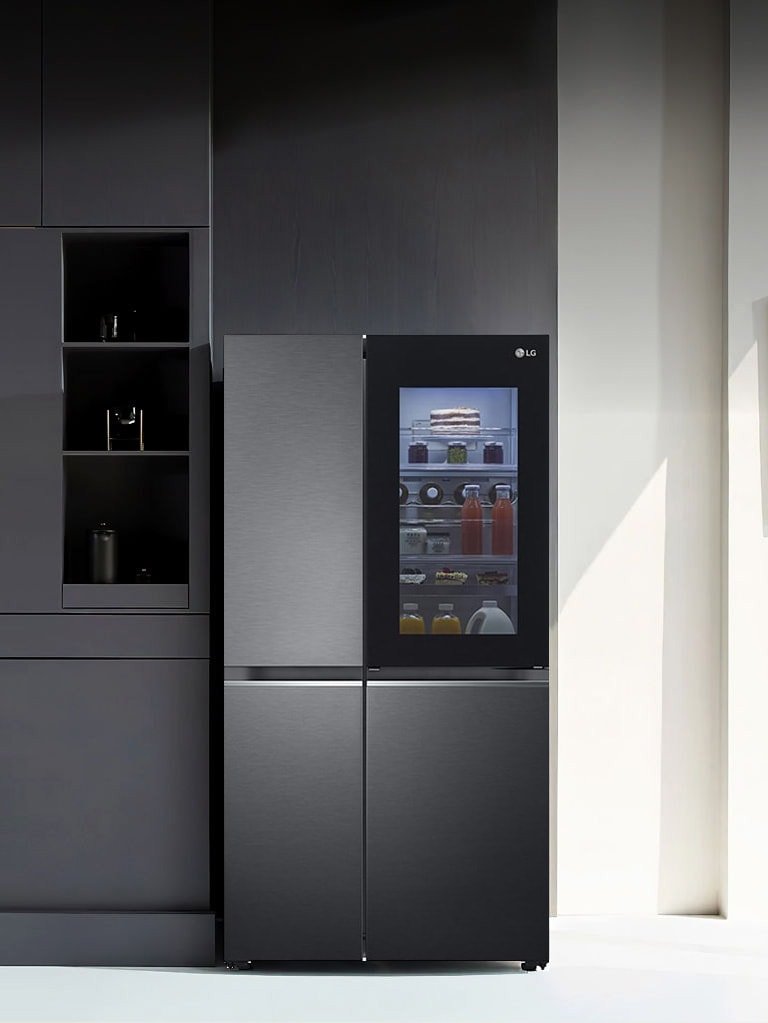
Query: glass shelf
x=448, y=435
x=488, y=591
x=436, y=561
x=454, y=469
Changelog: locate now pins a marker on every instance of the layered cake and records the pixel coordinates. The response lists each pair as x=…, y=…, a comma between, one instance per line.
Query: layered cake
x=493, y=578
x=447, y=577
x=412, y=575
x=454, y=420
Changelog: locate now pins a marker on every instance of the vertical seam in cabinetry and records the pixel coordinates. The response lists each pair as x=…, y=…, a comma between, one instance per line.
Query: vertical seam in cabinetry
x=364, y=700
x=42, y=104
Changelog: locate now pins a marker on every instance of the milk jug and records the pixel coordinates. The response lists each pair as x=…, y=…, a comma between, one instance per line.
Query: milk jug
x=489, y=619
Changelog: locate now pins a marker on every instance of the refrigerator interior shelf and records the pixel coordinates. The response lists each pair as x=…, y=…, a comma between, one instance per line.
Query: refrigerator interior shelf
x=489, y=592
x=478, y=433
x=453, y=469
x=451, y=560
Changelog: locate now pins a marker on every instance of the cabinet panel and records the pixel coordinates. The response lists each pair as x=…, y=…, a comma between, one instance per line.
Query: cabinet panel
x=293, y=821
x=457, y=821
x=20, y=49
x=30, y=421
x=125, y=100
x=104, y=785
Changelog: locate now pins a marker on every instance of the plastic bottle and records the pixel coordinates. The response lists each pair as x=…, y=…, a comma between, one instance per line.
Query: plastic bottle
x=446, y=622
x=502, y=522
x=471, y=521
x=411, y=622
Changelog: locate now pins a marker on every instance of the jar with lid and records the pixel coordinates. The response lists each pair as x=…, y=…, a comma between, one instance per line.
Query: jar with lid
x=457, y=453
x=493, y=453
x=418, y=452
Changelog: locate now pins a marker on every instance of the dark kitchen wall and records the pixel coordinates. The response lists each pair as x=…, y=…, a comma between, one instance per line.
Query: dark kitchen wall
x=384, y=168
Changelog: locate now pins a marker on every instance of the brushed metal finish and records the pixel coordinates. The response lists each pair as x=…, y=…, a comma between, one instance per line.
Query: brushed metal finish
x=293, y=411
x=287, y=682
x=457, y=822
x=292, y=822
x=466, y=683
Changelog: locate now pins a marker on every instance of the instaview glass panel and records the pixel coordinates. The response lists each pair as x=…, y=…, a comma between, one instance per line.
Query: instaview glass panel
x=459, y=510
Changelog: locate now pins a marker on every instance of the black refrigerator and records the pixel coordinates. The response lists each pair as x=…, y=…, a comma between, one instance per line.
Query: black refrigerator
x=386, y=706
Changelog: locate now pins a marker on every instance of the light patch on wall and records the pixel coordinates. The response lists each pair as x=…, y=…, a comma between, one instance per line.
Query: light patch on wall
x=610, y=654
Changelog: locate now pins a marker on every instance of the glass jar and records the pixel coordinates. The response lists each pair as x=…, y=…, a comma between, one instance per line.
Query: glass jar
x=438, y=543
x=457, y=453
x=493, y=453
x=418, y=452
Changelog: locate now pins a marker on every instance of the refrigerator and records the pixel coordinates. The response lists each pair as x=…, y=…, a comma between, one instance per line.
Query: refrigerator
x=386, y=648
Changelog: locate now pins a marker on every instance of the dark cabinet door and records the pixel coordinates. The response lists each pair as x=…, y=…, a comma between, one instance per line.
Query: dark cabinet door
x=457, y=821
x=30, y=421
x=125, y=113
x=20, y=48
x=104, y=785
x=292, y=821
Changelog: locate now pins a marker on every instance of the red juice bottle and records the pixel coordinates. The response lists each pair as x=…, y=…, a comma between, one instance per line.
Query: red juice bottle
x=472, y=521
x=502, y=522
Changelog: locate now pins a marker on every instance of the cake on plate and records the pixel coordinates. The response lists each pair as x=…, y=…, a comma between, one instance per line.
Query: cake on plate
x=447, y=577
x=454, y=420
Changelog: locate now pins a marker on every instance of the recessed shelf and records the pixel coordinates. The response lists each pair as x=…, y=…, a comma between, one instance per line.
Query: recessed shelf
x=126, y=454
x=142, y=279
x=125, y=595
x=144, y=499
x=124, y=346
x=155, y=380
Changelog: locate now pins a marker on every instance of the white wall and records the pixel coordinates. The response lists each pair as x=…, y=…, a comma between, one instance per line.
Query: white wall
x=640, y=379
x=747, y=875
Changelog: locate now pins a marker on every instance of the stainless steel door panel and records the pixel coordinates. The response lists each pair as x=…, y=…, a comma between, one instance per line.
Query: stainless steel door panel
x=457, y=811
x=293, y=409
x=293, y=821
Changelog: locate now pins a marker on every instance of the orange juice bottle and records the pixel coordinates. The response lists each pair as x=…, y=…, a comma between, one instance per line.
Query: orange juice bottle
x=411, y=622
x=472, y=521
x=502, y=522
x=445, y=622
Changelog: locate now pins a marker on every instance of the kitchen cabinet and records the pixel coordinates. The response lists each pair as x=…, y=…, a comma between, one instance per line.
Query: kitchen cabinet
x=30, y=421
x=103, y=786
x=125, y=113
x=20, y=56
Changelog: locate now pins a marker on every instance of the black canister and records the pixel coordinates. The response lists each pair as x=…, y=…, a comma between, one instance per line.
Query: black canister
x=102, y=554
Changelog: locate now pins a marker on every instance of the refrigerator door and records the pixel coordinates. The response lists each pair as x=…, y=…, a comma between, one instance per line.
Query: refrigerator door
x=293, y=469
x=457, y=815
x=292, y=820
x=457, y=572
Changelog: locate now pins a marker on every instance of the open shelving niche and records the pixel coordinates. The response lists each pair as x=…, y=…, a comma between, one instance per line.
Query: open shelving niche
x=143, y=495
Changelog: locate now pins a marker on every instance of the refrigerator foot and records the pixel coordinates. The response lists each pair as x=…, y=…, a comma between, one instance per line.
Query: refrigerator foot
x=530, y=966
x=238, y=964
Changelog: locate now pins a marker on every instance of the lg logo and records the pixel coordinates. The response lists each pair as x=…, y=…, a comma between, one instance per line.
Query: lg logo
x=524, y=353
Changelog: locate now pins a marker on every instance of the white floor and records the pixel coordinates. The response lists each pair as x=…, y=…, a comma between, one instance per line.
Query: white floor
x=617, y=970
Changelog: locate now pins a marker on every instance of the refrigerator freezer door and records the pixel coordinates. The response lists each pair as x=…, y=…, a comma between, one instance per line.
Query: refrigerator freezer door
x=457, y=821
x=293, y=423
x=292, y=820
